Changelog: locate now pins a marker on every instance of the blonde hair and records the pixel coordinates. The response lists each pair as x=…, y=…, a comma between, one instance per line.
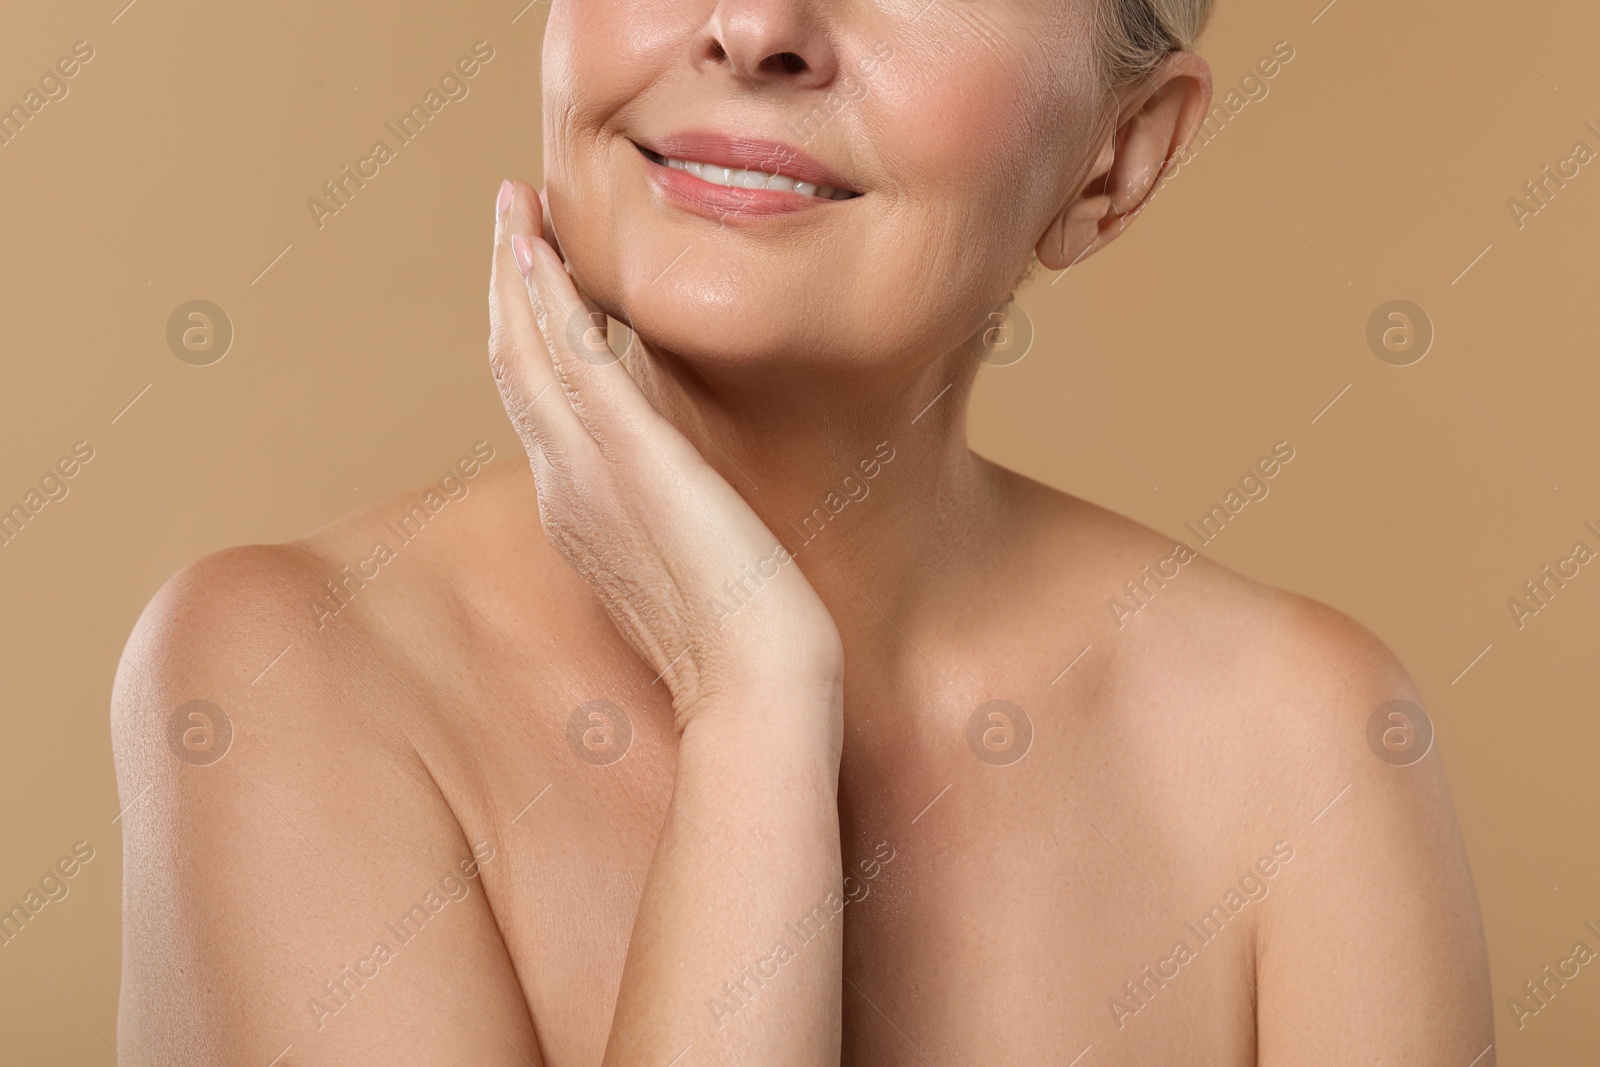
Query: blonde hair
x=1138, y=34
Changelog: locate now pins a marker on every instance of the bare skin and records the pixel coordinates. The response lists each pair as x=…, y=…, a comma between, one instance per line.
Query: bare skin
x=422, y=846
x=372, y=755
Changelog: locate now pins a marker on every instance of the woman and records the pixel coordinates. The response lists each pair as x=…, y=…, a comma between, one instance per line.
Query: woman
x=754, y=719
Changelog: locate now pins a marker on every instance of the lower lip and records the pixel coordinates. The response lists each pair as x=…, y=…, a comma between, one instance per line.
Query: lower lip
x=723, y=202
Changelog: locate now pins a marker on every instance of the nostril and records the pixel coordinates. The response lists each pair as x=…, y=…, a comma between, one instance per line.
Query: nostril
x=788, y=61
x=718, y=53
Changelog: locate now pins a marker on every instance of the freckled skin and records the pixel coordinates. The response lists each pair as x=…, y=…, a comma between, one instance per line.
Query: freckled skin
x=1034, y=903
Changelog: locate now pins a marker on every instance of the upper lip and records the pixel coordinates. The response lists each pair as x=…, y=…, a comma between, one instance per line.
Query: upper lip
x=747, y=153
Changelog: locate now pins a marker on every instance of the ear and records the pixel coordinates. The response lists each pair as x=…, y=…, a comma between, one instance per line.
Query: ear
x=1154, y=125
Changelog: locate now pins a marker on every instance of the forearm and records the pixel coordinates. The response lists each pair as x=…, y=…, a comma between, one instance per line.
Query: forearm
x=735, y=949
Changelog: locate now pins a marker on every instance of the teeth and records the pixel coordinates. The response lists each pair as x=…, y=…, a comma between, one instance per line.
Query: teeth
x=755, y=179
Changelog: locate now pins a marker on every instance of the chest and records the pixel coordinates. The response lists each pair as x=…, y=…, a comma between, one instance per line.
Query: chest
x=989, y=917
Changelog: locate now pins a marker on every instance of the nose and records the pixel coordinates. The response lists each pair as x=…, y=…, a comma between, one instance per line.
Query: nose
x=769, y=43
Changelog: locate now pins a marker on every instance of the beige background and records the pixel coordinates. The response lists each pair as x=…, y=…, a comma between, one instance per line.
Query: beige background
x=1378, y=167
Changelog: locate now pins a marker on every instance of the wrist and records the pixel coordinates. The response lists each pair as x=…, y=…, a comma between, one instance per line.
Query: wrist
x=793, y=716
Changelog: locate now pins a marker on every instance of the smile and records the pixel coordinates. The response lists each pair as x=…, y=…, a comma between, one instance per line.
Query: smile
x=736, y=178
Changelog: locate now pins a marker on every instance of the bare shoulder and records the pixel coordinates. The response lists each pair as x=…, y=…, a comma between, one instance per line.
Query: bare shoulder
x=1252, y=724
x=281, y=830
x=1172, y=623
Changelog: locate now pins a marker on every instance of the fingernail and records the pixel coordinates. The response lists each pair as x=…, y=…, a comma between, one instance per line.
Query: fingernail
x=523, y=252
x=504, y=200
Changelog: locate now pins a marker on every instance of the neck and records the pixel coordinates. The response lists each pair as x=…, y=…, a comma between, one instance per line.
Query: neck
x=866, y=479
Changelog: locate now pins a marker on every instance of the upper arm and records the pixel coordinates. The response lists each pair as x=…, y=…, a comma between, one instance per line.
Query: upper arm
x=1374, y=951
x=302, y=885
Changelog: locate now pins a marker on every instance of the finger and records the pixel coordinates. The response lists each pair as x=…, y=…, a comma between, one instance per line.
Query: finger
x=548, y=226
x=518, y=351
x=594, y=381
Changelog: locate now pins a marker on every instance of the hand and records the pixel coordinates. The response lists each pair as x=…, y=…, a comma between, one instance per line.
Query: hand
x=653, y=529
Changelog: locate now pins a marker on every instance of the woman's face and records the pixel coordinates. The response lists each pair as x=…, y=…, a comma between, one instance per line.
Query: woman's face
x=953, y=130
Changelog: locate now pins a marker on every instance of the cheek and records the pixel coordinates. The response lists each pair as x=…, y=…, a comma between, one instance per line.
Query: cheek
x=974, y=189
